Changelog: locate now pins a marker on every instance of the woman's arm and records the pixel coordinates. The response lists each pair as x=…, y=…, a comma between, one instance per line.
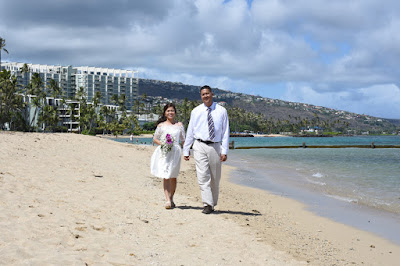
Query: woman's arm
x=156, y=141
x=157, y=135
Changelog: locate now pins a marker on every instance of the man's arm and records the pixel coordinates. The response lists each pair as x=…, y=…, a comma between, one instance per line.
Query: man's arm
x=225, y=136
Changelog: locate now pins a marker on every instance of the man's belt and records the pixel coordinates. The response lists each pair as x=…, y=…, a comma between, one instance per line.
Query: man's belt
x=206, y=141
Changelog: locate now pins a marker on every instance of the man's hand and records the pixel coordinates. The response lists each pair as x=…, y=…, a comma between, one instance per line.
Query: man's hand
x=223, y=157
x=186, y=158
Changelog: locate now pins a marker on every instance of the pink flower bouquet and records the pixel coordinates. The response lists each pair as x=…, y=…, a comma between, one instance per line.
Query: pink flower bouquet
x=166, y=144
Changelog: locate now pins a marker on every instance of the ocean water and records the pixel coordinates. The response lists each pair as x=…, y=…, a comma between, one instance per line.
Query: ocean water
x=335, y=182
x=355, y=186
x=298, y=141
x=141, y=141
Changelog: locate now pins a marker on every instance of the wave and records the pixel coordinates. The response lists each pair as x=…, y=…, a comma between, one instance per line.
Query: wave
x=318, y=175
x=345, y=199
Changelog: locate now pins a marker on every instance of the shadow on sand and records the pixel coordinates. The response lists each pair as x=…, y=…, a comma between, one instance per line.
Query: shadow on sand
x=253, y=213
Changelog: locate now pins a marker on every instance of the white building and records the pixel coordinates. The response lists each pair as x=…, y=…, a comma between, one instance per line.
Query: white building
x=92, y=79
x=68, y=112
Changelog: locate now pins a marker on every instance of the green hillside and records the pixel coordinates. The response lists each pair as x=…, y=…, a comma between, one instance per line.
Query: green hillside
x=285, y=116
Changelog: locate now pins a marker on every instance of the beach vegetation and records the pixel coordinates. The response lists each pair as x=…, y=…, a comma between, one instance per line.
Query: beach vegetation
x=333, y=133
x=49, y=115
x=87, y=132
x=184, y=108
x=33, y=108
x=11, y=104
x=184, y=113
x=150, y=126
x=2, y=48
x=88, y=115
x=138, y=105
x=36, y=89
x=102, y=119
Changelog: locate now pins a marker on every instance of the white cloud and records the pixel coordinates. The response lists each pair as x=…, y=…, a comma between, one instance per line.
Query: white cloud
x=378, y=100
x=332, y=46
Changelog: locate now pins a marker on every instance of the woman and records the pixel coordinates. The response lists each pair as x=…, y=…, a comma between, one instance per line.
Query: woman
x=166, y=159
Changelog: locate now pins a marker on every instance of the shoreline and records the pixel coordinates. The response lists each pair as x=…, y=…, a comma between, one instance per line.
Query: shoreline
x=94, y=201
x=274, y=179
x=269, y=135
x=289, y=220
x=362, y=217
x=312, y=237
x=109, y=136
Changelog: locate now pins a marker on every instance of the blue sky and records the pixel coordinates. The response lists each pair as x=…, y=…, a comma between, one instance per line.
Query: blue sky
x=339, y=54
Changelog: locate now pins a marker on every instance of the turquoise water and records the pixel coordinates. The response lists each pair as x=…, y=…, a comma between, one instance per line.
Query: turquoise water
x=365, y=176
x=356, y=186
x=298, y=141
x=144, y=141
x=350, y=185
x=369, y=177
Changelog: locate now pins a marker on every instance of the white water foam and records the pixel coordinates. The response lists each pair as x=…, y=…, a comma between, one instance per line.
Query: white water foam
x=343, y=198
x=316, y=182
x=318, y=175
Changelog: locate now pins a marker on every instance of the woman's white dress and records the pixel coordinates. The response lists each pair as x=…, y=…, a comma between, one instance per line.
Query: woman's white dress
x=167, y=166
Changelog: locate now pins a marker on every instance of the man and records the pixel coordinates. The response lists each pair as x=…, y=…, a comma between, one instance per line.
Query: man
x=208, y=131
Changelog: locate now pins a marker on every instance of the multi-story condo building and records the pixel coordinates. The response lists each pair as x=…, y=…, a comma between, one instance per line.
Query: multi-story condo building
x=69, y=113
x=107, y=81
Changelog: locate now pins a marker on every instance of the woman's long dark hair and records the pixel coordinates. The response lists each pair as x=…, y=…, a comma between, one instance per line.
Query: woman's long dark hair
x=163, y=117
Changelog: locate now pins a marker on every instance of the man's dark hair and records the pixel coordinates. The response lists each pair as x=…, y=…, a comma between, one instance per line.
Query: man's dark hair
x=205, y=87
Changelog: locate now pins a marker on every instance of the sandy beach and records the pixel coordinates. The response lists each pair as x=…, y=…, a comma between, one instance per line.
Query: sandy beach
x=68, y=199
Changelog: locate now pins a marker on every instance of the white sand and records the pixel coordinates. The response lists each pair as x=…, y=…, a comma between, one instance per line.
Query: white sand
x=69, y=199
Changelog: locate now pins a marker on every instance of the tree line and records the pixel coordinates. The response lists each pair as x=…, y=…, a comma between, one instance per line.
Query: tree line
x=42, y=114
x=96, y=118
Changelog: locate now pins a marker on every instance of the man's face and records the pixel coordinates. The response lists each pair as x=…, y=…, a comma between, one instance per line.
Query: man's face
x=206, y=97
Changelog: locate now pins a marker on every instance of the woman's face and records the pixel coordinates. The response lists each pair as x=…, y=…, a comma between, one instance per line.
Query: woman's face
x=170, y=113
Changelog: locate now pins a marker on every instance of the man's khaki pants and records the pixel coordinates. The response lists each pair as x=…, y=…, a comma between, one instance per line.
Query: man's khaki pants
x=208, y=168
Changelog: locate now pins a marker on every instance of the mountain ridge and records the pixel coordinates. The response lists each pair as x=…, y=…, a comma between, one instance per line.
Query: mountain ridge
x=271, y=108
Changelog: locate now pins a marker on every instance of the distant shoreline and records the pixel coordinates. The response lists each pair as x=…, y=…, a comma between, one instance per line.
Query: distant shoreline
x=239, y=135
x=109, y=136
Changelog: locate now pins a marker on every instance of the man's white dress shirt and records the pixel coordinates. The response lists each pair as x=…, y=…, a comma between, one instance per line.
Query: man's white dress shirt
x=198, y=127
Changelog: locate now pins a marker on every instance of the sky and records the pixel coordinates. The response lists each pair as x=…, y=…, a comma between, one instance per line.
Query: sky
x=342, y=54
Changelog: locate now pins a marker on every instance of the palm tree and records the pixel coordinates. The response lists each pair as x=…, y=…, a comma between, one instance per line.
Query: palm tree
x=2, y=45
x=55, y=90
x=185, y=112
x=121, y=103
x=144, y=97
x=49, y=117
x=104, y=118
x=63, y=105
x=96, y=98
x=71, y=107
x=80, y=94
x=114, y=99
x=157, y=109
x=36, y=89
x=10, y=103
x=24, y=70
x=137, y=104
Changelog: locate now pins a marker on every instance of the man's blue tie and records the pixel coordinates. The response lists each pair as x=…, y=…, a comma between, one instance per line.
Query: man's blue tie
x=210, y=124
